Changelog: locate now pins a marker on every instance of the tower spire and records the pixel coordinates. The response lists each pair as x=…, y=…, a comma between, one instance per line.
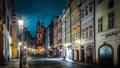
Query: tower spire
x=38, y=21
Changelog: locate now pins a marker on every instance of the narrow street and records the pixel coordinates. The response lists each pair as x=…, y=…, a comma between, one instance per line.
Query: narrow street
x=35, y=62
x=59, y=33
x=58, y=63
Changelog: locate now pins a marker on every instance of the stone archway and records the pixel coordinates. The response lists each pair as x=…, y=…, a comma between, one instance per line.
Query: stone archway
x=106, y=55
x=89, y=53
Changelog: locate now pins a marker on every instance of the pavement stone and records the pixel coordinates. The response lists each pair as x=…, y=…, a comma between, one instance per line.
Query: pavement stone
x=89, y=64
x=13, y=63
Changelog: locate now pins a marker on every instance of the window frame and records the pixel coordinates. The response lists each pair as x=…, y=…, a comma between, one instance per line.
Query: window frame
x=100, y=24
x=111, y=26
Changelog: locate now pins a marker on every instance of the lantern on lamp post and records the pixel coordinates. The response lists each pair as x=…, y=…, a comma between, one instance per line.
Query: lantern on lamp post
x=21, y=26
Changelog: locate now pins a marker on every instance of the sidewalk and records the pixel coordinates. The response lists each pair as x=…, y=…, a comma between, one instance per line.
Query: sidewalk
x=13, y=63
x=88, y=64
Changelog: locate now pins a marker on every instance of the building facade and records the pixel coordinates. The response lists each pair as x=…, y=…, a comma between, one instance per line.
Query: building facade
x=55, y=21
x=68, y=51
x=48, y=48
x=107, y=24
x=75, y=28
x=72, y=30
x=59, y=48
x=14, y=34
x=87, y=30
x=5, y=35
x=39, y=36
x=63, y=26
x=90, y=31
x=45, y=40
x=51, y=37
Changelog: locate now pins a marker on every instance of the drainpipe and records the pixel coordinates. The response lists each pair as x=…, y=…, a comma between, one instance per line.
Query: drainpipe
x=71, y=31
x=94, y=34
x=80, y=28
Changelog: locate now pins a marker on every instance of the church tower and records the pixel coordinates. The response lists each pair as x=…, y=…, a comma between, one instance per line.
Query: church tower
x=39, y=35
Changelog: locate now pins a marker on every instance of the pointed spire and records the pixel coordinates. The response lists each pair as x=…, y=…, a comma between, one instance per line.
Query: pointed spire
x=38, y=21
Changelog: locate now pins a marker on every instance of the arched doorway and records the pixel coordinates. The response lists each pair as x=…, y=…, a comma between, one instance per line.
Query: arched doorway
x=89, y=54
x=106, y=55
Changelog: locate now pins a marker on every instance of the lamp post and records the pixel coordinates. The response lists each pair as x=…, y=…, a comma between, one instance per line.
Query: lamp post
x=20, y=26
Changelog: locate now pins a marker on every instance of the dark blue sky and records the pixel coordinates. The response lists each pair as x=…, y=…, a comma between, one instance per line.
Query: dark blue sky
x=45, y=10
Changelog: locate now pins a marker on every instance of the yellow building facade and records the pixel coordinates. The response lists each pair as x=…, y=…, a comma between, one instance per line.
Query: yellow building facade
x=14, y=35
x=107, y=32
x=73, y=29
x=14, y=40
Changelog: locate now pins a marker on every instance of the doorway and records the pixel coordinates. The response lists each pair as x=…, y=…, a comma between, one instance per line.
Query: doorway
x=82, y=55
x=89, y=54
x=77, y=55
x=106, y=55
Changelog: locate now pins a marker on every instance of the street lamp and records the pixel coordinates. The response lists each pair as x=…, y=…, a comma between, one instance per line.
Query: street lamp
x=78, y=41
x=20, y=25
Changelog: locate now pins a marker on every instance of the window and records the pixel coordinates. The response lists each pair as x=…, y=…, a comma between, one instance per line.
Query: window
x=78, y=18
x=83, y=34
x=100, y=24
x=111, y=4
x=75, y=19
x=86, y=11
x=11, y=29
x=82, y=13
x=100, y=1
x=111, y=20
x=90, y=31
x=8, y=20
x=77, y=35
x=86, y=32
x=90, y=7
x=73, y=37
